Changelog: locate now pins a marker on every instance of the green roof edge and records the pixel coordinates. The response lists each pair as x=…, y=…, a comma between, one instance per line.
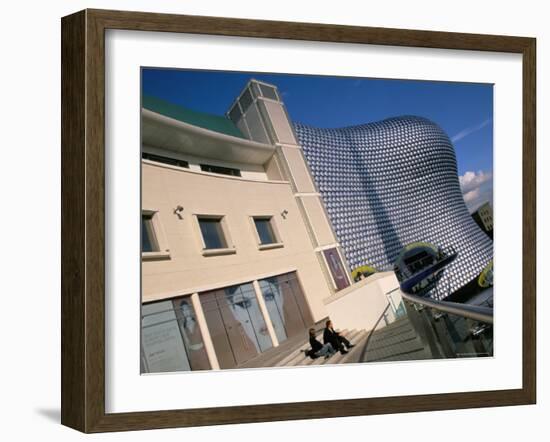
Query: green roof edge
x=216, y=123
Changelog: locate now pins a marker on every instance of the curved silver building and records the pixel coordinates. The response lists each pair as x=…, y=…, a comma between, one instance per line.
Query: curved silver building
x=391, y=183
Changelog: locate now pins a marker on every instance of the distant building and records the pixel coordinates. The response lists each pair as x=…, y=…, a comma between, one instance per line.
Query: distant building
x=483, y=216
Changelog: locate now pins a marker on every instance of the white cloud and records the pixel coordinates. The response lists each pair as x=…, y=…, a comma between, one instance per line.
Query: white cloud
x=470, y=196
x=471, y=180
x=470, y=130
x=477, y=188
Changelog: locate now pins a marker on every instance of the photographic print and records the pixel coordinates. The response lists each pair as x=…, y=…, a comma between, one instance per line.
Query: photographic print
x=313, y=200
x=303, y=220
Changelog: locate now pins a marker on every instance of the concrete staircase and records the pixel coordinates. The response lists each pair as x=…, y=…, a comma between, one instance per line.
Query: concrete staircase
x=396, y=342
x=291, y=353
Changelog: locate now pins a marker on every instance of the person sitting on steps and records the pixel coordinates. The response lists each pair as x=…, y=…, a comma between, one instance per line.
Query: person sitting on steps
x=338, y=342
x=317, y=349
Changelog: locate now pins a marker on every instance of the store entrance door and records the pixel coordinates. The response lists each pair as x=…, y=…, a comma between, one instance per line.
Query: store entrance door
x=236, y=324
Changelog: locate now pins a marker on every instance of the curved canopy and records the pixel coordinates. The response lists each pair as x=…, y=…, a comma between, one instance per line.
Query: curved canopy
x=413, y=247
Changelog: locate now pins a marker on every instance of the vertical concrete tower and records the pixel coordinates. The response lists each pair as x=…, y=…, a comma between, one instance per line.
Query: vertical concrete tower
x=261, y=115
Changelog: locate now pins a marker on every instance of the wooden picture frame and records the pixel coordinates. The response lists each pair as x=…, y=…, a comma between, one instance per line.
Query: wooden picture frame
x=83, y=220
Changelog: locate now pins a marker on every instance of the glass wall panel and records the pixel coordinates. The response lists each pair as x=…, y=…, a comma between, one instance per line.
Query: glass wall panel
x=246, y=100
x=268, y=92
x=235, y=113
x=219, y=333
x=171, y=340
x=236, y=324
x=275, y=303
x=191, y=333
x=245, y=308
x=286, y=305
x=296, y=288
x=255, y=87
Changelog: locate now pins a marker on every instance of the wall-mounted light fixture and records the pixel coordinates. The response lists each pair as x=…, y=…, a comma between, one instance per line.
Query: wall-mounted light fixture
x=284, y=213
x=178, y=210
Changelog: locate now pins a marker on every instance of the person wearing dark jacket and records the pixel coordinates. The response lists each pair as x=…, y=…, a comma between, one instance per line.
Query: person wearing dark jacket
x=332, y=337
x=318, y=349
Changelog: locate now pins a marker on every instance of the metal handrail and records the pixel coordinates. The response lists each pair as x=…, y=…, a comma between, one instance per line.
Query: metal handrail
x=477, y=313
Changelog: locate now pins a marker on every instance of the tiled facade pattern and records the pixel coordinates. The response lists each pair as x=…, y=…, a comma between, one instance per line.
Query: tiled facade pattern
x=390, y=183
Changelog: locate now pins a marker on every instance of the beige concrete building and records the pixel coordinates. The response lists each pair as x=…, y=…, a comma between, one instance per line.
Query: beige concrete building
x=238, y=253
x=484, y=216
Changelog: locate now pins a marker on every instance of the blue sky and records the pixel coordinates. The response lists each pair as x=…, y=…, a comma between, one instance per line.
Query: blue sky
x=463, y=110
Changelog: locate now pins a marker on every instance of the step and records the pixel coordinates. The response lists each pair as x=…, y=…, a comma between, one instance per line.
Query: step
x=304, y=360
x=335, y=359
x=358, y=341
x=389, y=352
x=308, y=361
x=273, y=355
x=403, y=347
x=377, y=339
x=406, y=341
x=298, y=356
x=377, y=342
x=394, y=328
x=338, y=357
x=298, y=351
x=391, y=329
x=414, y=355
x=318, y=361
x=355, y=353
x=272, y=362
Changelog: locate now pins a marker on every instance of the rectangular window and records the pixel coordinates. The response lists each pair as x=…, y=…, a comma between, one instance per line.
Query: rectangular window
x=235, y=113
x=246, y=100
x=164, y=160
x=268, y=92
x=220, y=170
x=212, y=233
x=149, y=241
x=265, y=231
x=255, y=88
